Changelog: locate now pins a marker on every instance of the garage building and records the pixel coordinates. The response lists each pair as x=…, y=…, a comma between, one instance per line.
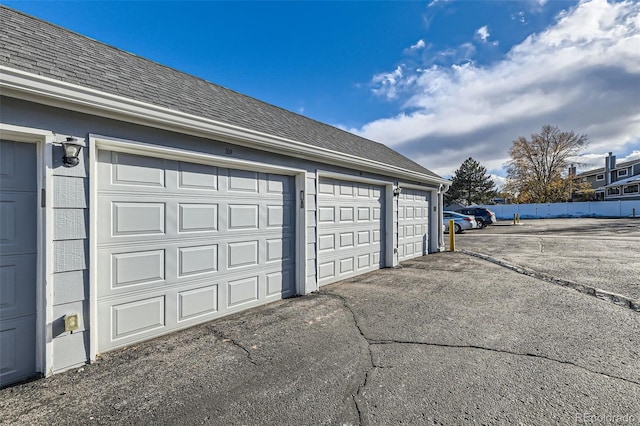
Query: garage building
x=188, y=201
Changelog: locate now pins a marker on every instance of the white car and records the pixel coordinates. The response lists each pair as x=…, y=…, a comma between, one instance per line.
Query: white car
x=460, y=221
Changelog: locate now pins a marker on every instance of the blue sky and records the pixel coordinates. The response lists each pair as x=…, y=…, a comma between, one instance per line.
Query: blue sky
x=438, y=81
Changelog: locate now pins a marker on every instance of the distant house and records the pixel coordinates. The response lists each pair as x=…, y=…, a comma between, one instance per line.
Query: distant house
x=614, y=181
x=454, y=206
x=137, y=200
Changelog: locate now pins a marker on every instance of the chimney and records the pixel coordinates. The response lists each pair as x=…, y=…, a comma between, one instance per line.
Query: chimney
x=609, y=165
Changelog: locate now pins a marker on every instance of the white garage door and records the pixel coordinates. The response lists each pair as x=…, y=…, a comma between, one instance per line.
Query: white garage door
x=413, y=221
x=182, y=243
x=350, y=229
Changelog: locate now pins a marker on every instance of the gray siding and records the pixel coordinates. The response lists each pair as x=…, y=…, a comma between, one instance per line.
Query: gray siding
x=70, y=259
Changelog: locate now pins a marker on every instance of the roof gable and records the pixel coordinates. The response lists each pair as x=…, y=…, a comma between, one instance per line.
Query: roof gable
x=35, y=46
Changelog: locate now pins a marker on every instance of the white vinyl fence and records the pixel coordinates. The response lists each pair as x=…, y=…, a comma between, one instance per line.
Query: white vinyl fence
x=555, y=210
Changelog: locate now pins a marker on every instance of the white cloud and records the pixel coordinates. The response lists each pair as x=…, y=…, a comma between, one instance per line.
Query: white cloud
x=635, y=155
x=419, y=45
x=499, y=181
x=582, y=73
x=436, y=2
x=483, y=33
x=386, y=84
x=592, y=161
x=520, y=16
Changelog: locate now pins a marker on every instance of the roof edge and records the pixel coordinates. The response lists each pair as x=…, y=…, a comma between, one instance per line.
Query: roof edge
x=48, y=91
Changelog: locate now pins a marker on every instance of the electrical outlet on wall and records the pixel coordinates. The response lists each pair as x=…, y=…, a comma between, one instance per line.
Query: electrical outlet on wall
x=70, y=323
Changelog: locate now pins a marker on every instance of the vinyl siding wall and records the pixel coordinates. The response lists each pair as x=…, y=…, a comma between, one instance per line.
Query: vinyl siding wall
x=71, y=206
x=70, y=259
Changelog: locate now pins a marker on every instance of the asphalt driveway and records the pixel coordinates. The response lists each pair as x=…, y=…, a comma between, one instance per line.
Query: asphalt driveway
x=446, y=339
x=599, y=253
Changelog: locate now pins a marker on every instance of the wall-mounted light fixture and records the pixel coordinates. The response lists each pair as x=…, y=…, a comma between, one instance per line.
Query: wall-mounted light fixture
x=397, y=191
x=71, y=152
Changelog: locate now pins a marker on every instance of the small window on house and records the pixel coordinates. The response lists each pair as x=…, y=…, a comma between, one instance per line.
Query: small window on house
x=631, y=189
x=613, y=191
x=622, y=172
x=600, y=177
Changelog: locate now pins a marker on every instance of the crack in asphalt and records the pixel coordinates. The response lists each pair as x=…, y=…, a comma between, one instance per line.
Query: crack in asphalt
x=360, y=404
x=502, y=351
x=616, y=299
x=235, y=343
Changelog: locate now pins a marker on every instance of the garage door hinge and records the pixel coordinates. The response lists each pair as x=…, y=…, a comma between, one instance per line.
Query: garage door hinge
x=43, y=198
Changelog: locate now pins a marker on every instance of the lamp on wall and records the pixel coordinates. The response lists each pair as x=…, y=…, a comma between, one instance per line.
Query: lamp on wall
x=397, y=191
x=71, y=152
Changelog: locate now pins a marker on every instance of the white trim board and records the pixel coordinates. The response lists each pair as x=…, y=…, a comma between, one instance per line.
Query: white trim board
x=53, y=92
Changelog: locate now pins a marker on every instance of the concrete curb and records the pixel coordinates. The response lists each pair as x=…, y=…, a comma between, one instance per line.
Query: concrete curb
x=616, y=299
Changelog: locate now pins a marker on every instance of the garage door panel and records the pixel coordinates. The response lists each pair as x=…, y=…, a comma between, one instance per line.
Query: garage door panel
x=349, y=229
x=346, y=214
x=278, y=284
x=134, y=219
x=242, y=291
x=135, y=170
x=137, y=317
x=197, y=217
x=138, y=218
x=16, y=235
x=138, y=267
x=145, y=267
x=197, y=302
x=17, y=298
x=17, y=353
x=412, y=223
x=209, y=242
x=242, y=181
x=197, y=260
x=18, y=260
x=197, y=177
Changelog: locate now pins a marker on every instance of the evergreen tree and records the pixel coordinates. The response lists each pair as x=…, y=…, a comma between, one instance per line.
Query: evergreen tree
x=470, y=185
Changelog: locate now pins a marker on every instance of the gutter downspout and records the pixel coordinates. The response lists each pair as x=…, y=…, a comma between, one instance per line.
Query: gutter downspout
x=441, y=190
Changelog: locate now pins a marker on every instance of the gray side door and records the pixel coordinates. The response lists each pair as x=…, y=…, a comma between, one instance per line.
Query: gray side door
x=18, y=257
x=182, y=243
x=413, y=223
x=350, y=229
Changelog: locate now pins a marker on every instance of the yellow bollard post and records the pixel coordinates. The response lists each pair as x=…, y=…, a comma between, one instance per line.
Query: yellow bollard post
x=452, y=236
x=515, y=218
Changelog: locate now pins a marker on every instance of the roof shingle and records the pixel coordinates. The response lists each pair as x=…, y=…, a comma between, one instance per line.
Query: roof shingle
x=32, y=45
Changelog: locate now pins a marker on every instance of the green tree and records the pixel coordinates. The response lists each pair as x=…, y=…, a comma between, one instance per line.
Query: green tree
x=538, y=169
x=470, y=185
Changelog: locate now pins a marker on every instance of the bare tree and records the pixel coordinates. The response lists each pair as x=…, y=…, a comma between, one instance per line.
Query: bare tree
x=537, y=171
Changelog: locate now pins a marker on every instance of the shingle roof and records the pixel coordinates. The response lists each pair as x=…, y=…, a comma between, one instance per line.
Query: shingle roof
x=32, y=45
x=601, y=169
